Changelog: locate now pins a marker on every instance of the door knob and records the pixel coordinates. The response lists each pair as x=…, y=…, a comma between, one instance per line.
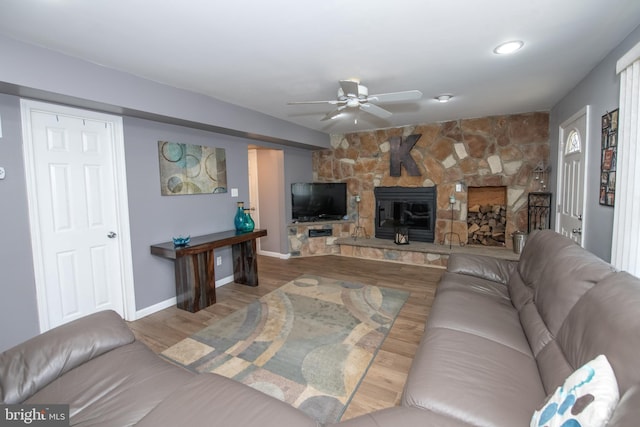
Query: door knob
x=577, y=230
x=580, y=217
x=111, y=235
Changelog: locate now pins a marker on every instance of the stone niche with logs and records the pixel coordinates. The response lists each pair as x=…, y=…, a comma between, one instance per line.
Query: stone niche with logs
x=487, y=216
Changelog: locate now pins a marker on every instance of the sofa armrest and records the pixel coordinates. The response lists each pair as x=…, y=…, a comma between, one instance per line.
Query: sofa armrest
x=484, y=267
x=30, y=366
x=627, y=412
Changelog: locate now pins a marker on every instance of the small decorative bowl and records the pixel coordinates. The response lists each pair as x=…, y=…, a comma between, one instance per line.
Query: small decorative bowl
x=181, y=241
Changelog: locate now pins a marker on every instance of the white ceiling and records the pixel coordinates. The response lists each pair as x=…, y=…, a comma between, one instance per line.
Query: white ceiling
x=261, y=54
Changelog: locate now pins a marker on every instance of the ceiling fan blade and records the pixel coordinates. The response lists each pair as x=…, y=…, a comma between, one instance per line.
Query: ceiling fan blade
x=395, y=96
x=335, y=113
x=349, y=87
x=332, y=102
x=375, y=110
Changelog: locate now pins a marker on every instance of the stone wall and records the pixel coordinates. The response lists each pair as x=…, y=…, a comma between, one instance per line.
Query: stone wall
x=489, y=151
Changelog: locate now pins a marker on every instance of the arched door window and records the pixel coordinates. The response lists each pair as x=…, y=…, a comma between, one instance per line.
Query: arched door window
x=574, y=144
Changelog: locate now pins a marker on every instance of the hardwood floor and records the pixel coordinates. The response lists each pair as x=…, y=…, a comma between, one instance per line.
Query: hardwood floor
x=384, y=381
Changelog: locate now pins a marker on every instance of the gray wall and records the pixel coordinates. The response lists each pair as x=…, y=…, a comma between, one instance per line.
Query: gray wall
x=153, y=218
x=18, y=310
x=32, y=71
x=601, y=90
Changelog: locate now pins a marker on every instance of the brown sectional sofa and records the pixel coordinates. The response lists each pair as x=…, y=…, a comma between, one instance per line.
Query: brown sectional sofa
x=501, y=336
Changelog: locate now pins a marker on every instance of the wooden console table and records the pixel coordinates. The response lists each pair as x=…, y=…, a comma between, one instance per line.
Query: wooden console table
x=195, y=265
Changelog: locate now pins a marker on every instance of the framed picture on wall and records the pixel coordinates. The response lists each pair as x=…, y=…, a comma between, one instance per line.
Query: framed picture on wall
x=609, y=145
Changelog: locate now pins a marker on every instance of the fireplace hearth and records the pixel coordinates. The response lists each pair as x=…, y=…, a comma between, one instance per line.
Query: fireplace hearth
x=411, y=207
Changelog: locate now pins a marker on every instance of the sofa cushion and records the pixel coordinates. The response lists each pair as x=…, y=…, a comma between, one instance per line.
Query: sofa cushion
x=606, y=320
x=562, y=283
x=32, y=365
x=474, y=379
x=587, y=398
x=520, y=293
x=486, y=267
x=117, y=388
x=480, y=307
x=536, y=331
x=554, y=273
x=542, y=248
x=402, y=417
x=213, y=400
x=553, y=366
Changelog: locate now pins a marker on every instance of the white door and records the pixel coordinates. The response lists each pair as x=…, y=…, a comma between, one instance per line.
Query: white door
x=78, y=212
x=572, y=160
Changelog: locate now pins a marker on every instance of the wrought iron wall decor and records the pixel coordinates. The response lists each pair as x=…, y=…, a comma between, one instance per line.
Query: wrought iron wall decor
x=539, y=211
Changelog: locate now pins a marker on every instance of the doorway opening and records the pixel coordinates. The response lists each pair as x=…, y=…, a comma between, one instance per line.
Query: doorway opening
x=267, y=196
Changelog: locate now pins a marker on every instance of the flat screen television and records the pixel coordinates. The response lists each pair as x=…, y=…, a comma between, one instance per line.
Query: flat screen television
x=318, y=201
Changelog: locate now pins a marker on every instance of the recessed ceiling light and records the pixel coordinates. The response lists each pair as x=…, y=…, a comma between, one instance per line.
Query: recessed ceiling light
x=508, y=47
x=444, y=98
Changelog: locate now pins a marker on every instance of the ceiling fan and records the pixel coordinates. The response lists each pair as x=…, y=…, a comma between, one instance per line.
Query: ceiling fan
x=353, y=95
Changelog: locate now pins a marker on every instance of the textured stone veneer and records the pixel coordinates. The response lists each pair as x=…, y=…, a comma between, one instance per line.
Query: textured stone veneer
x=489, y=151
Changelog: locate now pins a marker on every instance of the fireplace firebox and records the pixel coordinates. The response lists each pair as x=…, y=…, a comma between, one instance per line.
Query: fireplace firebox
x=412, y=207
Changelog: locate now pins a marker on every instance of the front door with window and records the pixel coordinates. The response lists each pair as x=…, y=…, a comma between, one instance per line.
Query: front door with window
x=572, y=150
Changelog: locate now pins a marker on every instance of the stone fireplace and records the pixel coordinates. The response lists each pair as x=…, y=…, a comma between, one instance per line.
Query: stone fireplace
x=413, y=208
x=497, y=151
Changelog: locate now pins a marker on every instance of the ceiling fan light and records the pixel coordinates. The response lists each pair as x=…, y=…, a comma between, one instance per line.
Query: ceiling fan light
x=444, y=98
x=508, y=47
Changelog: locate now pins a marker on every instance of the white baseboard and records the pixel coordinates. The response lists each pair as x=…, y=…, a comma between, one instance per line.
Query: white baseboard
x=156, y=307
x=224, y=281
x=274, y=254
x=172, y=301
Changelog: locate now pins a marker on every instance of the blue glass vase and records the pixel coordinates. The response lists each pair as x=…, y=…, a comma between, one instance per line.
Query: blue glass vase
x=249, y=224
x=240, y=220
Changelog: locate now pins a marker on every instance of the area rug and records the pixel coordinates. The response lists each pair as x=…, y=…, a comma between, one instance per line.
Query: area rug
x=308, y=343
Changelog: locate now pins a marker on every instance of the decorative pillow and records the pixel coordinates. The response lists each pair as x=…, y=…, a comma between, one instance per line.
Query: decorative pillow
x=586, y=399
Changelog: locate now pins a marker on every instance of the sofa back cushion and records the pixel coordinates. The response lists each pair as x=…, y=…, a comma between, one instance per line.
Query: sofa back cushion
x=542, y=247
x=32, y=365
x=572, y=272
x=554, y=273
x=606, y=320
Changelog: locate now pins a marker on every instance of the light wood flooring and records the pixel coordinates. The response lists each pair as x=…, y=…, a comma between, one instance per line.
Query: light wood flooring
x=384, y=381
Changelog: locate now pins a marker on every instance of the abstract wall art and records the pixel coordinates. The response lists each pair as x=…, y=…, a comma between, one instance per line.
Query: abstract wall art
x=191, y=169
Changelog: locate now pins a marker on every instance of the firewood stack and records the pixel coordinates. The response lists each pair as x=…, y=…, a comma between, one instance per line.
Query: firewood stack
x=487, y=225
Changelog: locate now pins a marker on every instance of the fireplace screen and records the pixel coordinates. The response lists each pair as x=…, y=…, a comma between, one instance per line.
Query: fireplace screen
x=405, y=207
x=414, y=215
